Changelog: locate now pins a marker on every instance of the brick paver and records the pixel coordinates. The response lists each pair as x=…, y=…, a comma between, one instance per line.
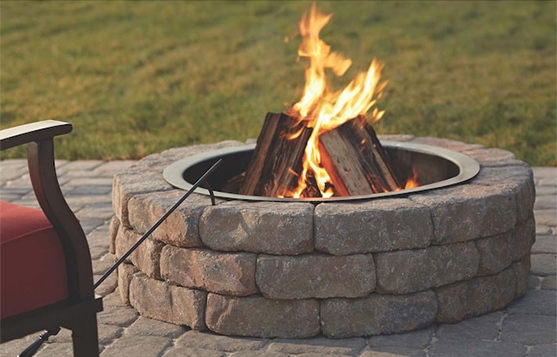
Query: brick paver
x=525, y=328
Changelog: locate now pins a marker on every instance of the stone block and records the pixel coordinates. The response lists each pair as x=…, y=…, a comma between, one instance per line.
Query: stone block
x=125, y=275
x=525, y=236
x=519, y=179
x=484, y=327
x=112, y=233
x=544, y=264
x=175, y=304
x=496, y=253
x=209, y=341
x=476, y=296
x=147, y=255
x=419, y=339
x=193, y=352
x=377, y=314
x=218, y=272
x=536, y=302
x=131, y=182
x=318, y=346
x=395, y=137
x=181, y=228
x=482, y=211
x=545, y=244
x=476, y=348
x=260, y=227
x=547, y=217
x=494, y=157
x=315, y=276
x=521, y=269
x=144, y=326
x=262, y=317
x=373, y=226
x=544, y=350
x=137, y=346
x=447, y=144
x=392, y=351
x=529, y=329
x=407, y=271
x=546, y=202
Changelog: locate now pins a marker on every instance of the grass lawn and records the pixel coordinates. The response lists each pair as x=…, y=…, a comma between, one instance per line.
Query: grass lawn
x=138, y=77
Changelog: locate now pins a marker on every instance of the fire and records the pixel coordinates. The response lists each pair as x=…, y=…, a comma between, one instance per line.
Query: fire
x=412, y=181
x=322, y=108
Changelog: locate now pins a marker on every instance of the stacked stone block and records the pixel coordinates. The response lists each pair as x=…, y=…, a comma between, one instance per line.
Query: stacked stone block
x=295, y=270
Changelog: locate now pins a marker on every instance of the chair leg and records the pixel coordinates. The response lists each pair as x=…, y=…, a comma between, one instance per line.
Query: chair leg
x=85, y=337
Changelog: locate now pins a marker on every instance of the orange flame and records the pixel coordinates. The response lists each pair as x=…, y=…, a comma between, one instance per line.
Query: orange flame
x=322, y=108
x=412, y=181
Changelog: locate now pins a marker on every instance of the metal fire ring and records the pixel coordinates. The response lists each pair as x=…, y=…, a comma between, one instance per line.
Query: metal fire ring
x=467, y=166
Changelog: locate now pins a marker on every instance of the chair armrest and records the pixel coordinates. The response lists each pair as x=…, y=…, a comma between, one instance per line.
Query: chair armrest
x=37, y=131
x=39, y=138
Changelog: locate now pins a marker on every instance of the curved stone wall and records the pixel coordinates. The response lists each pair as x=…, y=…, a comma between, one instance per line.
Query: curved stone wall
x=295, y=270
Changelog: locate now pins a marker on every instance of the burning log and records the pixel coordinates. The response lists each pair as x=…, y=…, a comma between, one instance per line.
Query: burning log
x=355, y=160
x=351, y=154
x=277, y=158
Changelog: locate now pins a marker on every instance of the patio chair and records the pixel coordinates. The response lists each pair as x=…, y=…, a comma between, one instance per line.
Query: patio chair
x=46, y=274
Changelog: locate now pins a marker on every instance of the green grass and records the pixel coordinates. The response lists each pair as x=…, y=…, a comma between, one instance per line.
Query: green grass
x=138, y=77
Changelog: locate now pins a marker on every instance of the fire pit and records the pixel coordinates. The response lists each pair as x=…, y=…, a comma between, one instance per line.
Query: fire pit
x=298, y=268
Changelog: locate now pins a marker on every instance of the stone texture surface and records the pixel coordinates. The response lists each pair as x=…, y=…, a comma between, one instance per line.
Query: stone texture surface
x=193, y=352
x=517, y=178
x=369, y=316
x=125, y=275
x=373, y=226
x=537, y=302
x=315, y=276
x=482, y=211
x=139, y=346
x=146, y=257
x=260, y=227
x=525, y=235
x=211, y=341
x=544, y=264
x=133, y=182
x=392, y=351
x=112, y=233
x=447, y=144
x=521, y=270
x=529, y=329
x=484, y=327
x=407, y=271
x=395, y=137
x=545, y=244
x=476, y=296
x=493, y=157
x=477, y=349
x=496, y=253
x=259, y=316
x=318, y=345
x=175, y=304
x=181, y=228
x=419, y=339
x=223, y=273
x=144, y=326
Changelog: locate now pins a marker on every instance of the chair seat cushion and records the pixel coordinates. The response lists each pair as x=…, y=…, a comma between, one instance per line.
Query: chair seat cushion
x=32, y=265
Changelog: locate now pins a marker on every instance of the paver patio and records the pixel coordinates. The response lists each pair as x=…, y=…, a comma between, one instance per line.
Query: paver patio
x=526, y=328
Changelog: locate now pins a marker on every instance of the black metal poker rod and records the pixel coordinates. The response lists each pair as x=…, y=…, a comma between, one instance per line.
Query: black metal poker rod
x=33, y=348
x=161, y=220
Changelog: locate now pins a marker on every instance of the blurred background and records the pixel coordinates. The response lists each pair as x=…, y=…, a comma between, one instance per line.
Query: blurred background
x=139, y=77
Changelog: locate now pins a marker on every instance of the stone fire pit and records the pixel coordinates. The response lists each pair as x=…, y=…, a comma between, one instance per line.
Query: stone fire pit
x=298, y=269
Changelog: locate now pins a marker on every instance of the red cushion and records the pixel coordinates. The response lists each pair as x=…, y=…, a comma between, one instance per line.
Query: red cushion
x=32, y=265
